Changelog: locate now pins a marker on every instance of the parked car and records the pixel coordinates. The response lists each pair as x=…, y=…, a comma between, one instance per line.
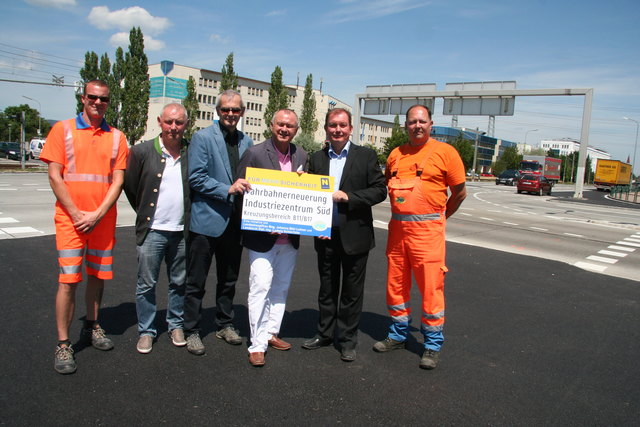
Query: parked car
x=536, y=184
x=508, y=177
x=11, y=150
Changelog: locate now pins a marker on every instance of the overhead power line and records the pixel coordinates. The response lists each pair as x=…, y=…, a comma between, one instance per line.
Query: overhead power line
x=74, y=61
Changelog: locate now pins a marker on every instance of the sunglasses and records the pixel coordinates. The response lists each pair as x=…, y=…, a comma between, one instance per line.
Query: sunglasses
x=227, y=110
x=104, y=99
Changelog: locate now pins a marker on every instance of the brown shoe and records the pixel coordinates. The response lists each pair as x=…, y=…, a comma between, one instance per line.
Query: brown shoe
x=257, y=358
x=279, y=344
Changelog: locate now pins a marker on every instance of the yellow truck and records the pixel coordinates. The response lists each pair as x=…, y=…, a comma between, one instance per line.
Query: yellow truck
x=610, y=173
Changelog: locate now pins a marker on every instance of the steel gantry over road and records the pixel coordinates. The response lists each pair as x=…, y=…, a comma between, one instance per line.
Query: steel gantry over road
x=396, y=99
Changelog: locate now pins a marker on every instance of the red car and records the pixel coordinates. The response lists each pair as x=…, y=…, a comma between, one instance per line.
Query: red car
x=534, y=184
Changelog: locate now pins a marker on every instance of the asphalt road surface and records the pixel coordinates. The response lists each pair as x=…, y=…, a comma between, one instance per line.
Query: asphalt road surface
x=529, y=341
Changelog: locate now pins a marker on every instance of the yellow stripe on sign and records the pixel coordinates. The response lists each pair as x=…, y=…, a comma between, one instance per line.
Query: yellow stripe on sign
x=277, y=178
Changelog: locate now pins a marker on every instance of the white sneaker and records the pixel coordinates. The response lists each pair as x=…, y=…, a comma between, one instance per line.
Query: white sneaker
x=177, y=337
x=145, y=344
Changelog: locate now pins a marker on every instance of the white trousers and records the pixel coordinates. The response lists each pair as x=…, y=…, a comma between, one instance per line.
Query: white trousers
x=269, y=280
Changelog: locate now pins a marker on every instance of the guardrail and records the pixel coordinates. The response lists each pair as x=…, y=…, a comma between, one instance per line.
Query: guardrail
x=626, y=193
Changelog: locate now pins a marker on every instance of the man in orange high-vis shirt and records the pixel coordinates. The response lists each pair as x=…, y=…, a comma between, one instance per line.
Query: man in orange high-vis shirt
x=86, y=159
x=419, y=176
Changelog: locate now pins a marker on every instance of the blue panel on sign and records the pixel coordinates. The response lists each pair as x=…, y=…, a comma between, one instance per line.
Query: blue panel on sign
x=166, y=67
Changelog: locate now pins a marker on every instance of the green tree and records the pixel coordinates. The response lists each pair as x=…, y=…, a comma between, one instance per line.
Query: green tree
x=398, y=137
x=307, y=142
x=190, y=102
x=104, y=70
x=278, y=99
x=510, y=159
x=465, y=149
x=115, y=89
x=10, y=125
x=135, y=99
x=382, y=159
x=90, y=71
x=308, y=121
x=229, y=79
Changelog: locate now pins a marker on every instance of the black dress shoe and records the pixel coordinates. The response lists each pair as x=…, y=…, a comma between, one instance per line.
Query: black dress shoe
x=348, y=354
x=316, y=342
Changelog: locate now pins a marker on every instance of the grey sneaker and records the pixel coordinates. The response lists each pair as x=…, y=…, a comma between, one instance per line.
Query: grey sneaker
x=230, y=335
x=145, y=344
x=97, y=337
x=388, y=344
x=64, y=361
x=177, y=337
x=429, y=359
x=194, y=344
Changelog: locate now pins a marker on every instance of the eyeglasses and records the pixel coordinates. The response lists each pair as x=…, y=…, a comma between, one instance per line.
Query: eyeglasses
x=104, y=99
x=227, y=109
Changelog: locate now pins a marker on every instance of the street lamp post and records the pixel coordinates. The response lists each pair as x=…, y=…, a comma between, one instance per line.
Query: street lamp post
x=635, y=146
x=39, y=113
x=527, y=134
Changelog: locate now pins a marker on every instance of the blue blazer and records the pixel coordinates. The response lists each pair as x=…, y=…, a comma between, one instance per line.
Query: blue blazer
x=210, y=178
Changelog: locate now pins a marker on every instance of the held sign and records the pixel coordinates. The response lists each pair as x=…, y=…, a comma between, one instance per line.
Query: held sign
x=285, y=202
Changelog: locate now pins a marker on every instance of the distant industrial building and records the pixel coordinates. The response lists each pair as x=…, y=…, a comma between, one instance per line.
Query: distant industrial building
x=489, y=148
x=169, y=84
x=566, y=146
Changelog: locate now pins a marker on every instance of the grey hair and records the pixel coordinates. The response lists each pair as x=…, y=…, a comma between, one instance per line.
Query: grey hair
x=177, y=106
x=286, y=110
x=229, y=93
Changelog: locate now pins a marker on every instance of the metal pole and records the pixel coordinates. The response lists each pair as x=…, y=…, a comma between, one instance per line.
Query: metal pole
x=39, y=113
x=475, y=156
x=635, y=147
x=584, y=143
x=527, y=134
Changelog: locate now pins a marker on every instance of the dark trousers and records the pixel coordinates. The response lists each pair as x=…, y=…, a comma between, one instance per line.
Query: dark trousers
x=228, y=253
x=340, y=301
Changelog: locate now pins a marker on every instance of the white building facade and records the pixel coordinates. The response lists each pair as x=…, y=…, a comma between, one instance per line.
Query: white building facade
x=169, y=84
x=566, y=146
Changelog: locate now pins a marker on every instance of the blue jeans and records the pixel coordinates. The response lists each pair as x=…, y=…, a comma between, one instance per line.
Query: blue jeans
x=159, y=245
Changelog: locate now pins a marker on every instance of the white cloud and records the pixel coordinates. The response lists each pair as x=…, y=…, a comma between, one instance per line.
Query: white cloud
x=122, y=39
x=124, y=19
x=217, y=38
x=276, y=12
x=52, y=3
x=362, y=10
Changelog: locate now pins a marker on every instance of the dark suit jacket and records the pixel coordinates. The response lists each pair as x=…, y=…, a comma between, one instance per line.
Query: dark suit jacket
x=142, y=179
x=363, y=182
x=265, y=156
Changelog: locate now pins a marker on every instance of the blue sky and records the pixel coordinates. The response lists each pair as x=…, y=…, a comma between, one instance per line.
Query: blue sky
x=350, y=44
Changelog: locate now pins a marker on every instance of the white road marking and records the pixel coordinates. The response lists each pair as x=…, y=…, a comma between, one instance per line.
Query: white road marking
x=509, y=223
x=636, y=245
x=487, y=219
x=629, y=239
x=612, y=253
x=589, y=266
x=43, y=189
x=573, y=235
x=8, y=220
x=20, y=230
x=539, y=229
x=602, y=259
x=621, y=248
x=492, y=210
x=8, y=189
x=464, y=213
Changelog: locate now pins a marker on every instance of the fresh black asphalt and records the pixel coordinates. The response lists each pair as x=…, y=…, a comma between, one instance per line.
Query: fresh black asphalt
x=528, y=342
